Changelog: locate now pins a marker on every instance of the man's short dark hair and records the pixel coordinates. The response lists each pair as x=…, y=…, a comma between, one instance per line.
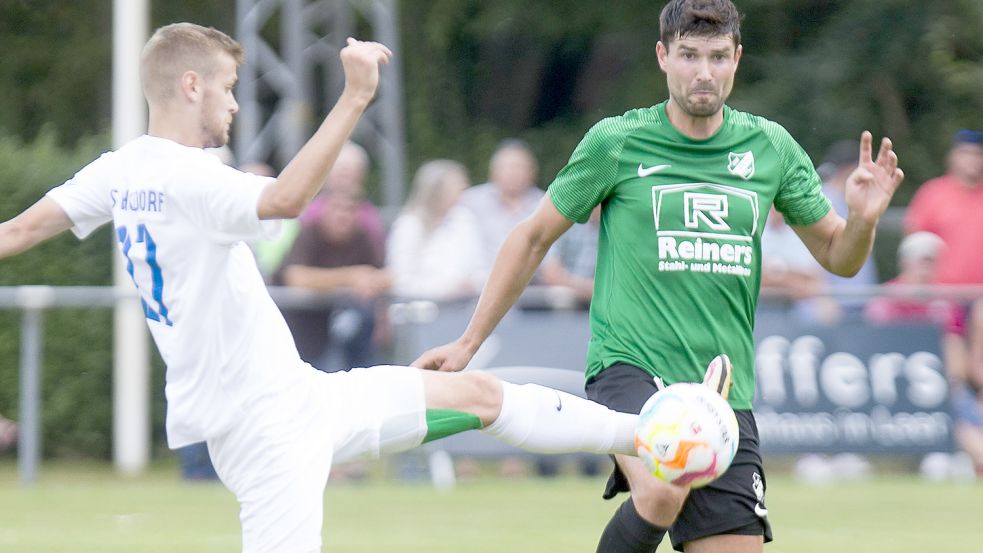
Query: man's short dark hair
x=700, y=18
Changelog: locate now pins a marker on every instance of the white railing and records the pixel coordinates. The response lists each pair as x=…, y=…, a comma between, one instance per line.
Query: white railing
x=34, y=301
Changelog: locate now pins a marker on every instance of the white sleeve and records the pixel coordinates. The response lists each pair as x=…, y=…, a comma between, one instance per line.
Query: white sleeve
x=224, y=204
x=85, y=197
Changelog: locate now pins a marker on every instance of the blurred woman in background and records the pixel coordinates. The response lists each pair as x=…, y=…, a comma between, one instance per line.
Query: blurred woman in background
x=434, y=249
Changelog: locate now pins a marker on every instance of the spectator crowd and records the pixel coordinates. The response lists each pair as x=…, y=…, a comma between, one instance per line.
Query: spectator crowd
x=440, y=246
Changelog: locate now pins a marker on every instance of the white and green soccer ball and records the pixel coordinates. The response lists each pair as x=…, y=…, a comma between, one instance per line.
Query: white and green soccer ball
x=687, y=434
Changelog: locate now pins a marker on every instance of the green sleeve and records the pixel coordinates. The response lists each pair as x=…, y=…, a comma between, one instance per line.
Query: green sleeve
x=800, y=196
x=591, y=172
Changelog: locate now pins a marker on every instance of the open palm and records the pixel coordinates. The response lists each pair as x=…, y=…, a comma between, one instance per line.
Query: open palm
x=872, y=184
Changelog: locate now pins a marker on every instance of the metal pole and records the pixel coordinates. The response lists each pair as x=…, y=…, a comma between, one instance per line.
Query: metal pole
x=29, y=446
x=247, y=121
x=296, y=121
x=391, y=145
x=131, y=366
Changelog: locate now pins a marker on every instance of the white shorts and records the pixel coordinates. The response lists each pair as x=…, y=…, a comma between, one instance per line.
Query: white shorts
x=276, y=459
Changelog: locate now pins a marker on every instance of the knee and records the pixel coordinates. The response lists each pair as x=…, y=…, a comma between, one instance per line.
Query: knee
x=484, y=395
x=656, y=501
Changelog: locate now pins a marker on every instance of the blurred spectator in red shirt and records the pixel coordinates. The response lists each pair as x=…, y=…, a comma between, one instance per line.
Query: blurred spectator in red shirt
x=950, y=206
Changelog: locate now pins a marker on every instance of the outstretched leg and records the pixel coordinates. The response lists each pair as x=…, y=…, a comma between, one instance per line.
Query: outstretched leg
x=528, y=416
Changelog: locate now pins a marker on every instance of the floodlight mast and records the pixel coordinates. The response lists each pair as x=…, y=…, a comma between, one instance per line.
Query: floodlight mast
x=286, y=87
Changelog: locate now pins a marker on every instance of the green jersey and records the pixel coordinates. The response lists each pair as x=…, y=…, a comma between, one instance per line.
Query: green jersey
x=679, y=267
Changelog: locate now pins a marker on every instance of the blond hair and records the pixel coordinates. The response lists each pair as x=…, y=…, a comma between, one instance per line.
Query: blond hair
x=430, y=185
x=180, y=47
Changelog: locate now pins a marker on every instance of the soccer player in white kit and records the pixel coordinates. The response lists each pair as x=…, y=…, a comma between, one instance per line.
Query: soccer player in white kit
x=273, y=423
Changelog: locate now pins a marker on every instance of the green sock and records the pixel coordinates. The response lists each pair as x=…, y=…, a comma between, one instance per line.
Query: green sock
x=445, y=422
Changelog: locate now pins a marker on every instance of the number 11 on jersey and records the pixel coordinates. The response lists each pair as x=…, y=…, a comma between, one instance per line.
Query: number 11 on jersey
x=159, y=311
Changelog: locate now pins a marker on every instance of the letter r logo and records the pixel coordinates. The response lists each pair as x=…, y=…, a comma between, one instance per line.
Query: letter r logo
x=711, y=209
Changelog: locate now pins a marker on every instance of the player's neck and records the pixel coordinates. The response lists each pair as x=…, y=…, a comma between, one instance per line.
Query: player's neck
x=695, y=127
x=167, y=125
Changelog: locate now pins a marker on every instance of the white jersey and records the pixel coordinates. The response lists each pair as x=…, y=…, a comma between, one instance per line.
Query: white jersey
x=181, y=218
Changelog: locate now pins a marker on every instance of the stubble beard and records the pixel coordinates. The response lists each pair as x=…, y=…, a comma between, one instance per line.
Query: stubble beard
x=216, y=137
x=703, y=109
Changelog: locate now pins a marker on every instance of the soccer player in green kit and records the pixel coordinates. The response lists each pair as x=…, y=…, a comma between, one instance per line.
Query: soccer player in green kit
x=685, y=188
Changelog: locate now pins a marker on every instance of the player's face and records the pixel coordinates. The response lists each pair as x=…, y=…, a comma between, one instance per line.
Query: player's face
x=218, y=103
x=700, y=72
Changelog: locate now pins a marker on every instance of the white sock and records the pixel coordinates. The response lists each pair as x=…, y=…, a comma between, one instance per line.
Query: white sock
x=544, y=420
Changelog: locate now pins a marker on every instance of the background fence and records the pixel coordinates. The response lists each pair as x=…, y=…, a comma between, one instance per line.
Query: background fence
x=849, y=386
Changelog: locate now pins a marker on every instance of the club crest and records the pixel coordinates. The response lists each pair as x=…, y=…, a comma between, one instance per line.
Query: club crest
x=741, y=164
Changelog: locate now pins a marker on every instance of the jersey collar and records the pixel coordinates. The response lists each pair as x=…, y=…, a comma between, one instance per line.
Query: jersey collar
x=686, y=139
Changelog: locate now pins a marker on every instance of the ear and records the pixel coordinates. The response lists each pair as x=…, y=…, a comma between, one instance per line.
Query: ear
x=662, y=53
x=191, y=85
x=737, y=54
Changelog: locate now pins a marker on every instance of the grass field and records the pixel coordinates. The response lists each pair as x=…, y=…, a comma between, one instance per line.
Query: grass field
x=86, y=508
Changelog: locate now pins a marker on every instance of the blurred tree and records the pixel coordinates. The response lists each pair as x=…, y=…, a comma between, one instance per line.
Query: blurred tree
x=57, y=61
x=76, y=385
x=478, y=72
x=897, y=68
x=56, y=67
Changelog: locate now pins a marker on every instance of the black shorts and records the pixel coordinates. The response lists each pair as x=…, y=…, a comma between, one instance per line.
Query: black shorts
x=732, y=504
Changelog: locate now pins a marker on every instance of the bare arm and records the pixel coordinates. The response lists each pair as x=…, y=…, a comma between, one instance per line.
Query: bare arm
x=514, y=266
x=303, y=176
x=36, y=224
x=842, y=246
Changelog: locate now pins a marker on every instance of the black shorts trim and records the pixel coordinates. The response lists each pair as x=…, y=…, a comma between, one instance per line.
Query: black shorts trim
x=732, y=504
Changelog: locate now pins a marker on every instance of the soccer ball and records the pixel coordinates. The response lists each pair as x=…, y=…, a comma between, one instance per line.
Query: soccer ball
x=687, y=434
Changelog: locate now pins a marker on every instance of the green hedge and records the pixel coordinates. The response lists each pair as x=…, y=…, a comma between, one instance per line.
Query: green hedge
x=77, y=358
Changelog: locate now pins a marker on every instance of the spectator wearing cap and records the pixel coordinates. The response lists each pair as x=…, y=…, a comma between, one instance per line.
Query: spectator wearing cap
x=918, y=256
x=950, y=206
x=841, y=159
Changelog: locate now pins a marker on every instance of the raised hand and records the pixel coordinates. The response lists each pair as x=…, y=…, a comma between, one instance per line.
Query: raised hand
x=872, y=184
x=361, y=61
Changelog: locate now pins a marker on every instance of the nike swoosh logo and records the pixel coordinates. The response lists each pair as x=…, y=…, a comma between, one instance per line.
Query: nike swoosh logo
x=559, y=403
x=646, y=171
x=760, y=511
